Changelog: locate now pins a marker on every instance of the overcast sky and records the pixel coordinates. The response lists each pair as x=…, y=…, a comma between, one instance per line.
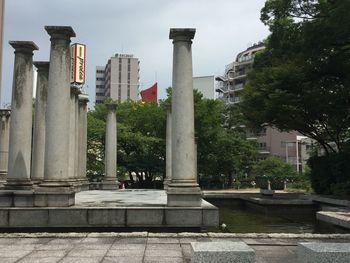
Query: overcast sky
x=139, y=27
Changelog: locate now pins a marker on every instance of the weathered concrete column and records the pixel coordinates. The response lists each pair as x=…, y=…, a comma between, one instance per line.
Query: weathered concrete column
x=83, y=100
x=110, y=179
x=73, y=143
x=167, y=179
x=38, y=153
x=183, y=189
x=5, y=116
x=56, y=177
x=18, y=177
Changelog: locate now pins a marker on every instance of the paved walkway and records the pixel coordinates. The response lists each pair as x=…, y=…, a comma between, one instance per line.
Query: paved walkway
x=143, y=246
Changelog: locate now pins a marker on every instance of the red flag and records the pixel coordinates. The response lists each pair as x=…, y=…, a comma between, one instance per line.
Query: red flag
x=150, y=94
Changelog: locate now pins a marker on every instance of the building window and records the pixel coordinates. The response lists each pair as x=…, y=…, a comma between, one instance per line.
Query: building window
x=128, y=91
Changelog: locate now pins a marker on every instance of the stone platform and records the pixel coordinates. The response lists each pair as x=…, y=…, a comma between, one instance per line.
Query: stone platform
x=112, y=209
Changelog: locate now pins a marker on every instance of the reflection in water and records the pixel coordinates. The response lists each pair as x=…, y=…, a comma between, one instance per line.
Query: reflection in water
x=245, y=220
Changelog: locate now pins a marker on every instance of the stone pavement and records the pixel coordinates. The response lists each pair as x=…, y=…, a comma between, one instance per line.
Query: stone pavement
x=143, y=246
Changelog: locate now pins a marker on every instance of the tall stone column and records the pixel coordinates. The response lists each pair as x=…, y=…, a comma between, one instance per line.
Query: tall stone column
x=73, y=143
x=83, y=100
x=38, y=153
x=18, y=177
x=56, y=177
x=110, y=179
x=5, y=116
x=167, y=179
x=183, y=189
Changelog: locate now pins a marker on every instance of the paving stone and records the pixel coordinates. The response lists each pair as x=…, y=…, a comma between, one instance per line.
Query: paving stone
x=42, y=240
x=39, y=260
x=162, y=240
x=55, y=247
x=122, y=260
x=20, y=247
x=76, y=252
x=152, y=246
x=162, y=260
x=124, y=253
x=128, y=240
x=122, y=246
x=92, y=246
x=9, y=260
x=64, y=241
x=46, y=253
x=162, y=253
x=14, y=253
x=99, y=240
x=81, y=260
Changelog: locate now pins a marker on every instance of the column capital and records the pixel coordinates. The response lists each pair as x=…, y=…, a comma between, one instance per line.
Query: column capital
x=60, y=32
x=83, y=98
x=42, y=65
x=182, y=34
x=111, y=106
x=24, y=46
x=5, y=112
x=75, y=90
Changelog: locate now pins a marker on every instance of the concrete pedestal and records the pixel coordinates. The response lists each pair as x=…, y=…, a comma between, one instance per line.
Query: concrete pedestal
x=323, y=252
x=21, y=118
x=183, y=189
x=110, y=180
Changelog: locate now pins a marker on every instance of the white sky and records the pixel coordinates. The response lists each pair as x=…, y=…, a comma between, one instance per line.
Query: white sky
x=139, y=27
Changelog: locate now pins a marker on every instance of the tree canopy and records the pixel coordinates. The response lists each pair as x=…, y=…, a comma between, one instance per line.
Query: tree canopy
x=301, y=81
x=223, y=150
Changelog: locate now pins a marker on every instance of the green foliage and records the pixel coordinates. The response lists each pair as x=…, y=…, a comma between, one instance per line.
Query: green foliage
x=274, y=167
x=302, y=80
x=223, y=152
x=275, y=170
x=330, y=174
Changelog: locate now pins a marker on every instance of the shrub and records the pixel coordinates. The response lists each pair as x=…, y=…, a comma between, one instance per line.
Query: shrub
x=275, y=170
x=330, y=174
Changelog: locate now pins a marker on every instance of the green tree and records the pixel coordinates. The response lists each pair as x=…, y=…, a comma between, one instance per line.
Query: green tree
x=302, y=79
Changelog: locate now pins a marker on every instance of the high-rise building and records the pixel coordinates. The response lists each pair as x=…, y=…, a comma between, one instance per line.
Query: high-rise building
x=205, y=85
x=289, y=146
x=119, y=79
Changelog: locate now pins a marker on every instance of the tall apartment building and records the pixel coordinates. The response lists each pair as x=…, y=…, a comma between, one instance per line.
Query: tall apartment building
x=119, y=79
x=289, y=146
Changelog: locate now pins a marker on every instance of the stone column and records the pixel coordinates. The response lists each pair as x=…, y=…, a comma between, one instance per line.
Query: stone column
x=5, y=116
x=18, y=177
x=183, y=189
x=38, y=153
x=73, y=143
x=167, y=179
x=56, y=177
x=110, y=179
x=83, y=100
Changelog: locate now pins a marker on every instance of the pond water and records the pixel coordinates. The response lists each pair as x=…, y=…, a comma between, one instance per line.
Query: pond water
x=240, y=219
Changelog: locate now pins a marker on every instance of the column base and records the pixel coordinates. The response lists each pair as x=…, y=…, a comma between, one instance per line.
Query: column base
x=184, y=195
x=17, y=198
x=166, y=183
x=85, y=185
x=15, y=184
x=110, y=184
x=52, y=193
x=3, y=175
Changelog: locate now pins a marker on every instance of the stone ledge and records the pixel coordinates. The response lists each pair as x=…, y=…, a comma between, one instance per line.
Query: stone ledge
x=323, y=252
x=224, y=251
x=336, y=218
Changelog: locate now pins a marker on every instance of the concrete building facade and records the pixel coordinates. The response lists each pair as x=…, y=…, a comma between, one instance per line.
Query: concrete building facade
x=119, y=79
x=289, y=146
x=205, y=85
